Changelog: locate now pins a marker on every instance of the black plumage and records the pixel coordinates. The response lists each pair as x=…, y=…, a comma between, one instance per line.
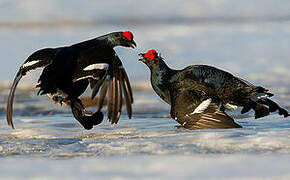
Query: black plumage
x=200, y=94
x=69, y=70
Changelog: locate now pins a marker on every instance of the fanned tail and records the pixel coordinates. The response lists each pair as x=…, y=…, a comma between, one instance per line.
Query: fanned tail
x=262, y=105
x=274, y=107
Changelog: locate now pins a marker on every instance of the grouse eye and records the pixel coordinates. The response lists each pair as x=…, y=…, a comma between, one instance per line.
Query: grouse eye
x=151, y=54
x=128, y=35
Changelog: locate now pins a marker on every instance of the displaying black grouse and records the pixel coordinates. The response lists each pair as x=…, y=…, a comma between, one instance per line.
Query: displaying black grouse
x=200, y=94
x=69, y=70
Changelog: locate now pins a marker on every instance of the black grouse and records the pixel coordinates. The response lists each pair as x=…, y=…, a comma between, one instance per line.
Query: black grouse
x=200, y=94
x=69, y=70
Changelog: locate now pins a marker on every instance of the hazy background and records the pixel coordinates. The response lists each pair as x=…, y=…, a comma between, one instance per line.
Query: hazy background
x=248, y=38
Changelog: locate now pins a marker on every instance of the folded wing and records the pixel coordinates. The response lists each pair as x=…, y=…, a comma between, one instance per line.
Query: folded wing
x=195, y=111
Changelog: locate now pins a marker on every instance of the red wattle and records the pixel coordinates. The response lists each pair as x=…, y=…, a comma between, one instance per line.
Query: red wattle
x=128, y=35
x=151, y=54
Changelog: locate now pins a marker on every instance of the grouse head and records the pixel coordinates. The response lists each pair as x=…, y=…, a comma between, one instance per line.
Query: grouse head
x=151, y=59
x=121, y=39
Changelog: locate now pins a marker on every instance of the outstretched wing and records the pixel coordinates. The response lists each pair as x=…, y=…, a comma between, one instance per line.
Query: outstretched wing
x=116, y=84
x=104, y=70
x=28, y=65
x=193, y=110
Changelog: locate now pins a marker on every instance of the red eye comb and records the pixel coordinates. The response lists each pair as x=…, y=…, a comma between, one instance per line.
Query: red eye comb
x=151, y=54
x=128, y=35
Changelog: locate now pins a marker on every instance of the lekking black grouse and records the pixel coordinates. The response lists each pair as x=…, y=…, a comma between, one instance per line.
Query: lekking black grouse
x=200, y=94
x=69, y=70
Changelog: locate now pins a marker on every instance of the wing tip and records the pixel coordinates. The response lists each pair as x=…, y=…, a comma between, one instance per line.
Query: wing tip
x=11, y=125
x=218, y=120
x=10, y=122
x=9, y=110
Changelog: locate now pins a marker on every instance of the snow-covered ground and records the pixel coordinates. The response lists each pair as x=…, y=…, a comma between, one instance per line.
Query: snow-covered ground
x=225, y=167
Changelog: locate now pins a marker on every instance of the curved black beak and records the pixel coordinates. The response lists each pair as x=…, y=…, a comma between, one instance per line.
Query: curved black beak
x=132, y=44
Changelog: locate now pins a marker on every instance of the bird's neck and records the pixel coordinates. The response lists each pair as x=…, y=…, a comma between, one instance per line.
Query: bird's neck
x=160, y=80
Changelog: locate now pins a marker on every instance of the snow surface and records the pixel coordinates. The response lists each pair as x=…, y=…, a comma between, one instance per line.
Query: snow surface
x=225, y=167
